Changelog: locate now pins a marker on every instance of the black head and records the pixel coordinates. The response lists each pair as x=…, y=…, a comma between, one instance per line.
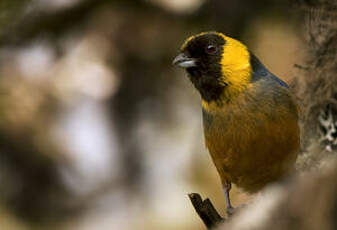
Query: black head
x=201, y=57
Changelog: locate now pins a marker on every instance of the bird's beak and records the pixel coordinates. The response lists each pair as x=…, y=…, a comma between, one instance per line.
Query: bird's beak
x=183, y=61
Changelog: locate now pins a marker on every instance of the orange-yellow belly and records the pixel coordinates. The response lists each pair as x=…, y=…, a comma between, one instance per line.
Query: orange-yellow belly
x=253, y=140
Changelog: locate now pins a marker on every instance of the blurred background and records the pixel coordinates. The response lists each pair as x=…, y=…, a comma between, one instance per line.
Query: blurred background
x=97, y=129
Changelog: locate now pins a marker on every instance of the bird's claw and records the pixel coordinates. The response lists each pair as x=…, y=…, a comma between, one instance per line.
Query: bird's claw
x=231, y=210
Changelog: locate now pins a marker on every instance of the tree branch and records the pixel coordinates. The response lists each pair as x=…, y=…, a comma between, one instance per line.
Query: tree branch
x=205, y=210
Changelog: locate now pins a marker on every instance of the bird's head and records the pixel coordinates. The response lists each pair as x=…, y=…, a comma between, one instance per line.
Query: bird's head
x=218, y=66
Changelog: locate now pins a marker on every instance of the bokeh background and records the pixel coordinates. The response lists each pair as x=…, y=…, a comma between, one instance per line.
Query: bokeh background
x=97, y=129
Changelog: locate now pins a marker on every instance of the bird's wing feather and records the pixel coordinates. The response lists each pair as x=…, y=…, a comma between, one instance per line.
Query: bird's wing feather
x=260, y=71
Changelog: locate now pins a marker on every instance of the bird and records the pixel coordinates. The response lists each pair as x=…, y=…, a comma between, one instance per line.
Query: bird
x=250, y=117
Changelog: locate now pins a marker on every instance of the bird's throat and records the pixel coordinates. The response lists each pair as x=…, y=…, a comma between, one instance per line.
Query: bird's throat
x=218, y=92
x=208, y=86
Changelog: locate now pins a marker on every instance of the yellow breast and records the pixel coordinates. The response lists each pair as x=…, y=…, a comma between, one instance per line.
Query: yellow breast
x=254, y=138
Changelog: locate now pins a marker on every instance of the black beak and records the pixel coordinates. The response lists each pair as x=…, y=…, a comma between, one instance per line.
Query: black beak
x=183, y=61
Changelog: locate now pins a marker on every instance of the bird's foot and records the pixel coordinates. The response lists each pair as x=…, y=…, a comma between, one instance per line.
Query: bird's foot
x=231, y=210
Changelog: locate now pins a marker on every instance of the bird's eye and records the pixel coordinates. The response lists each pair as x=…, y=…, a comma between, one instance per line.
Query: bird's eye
x=211, y=49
